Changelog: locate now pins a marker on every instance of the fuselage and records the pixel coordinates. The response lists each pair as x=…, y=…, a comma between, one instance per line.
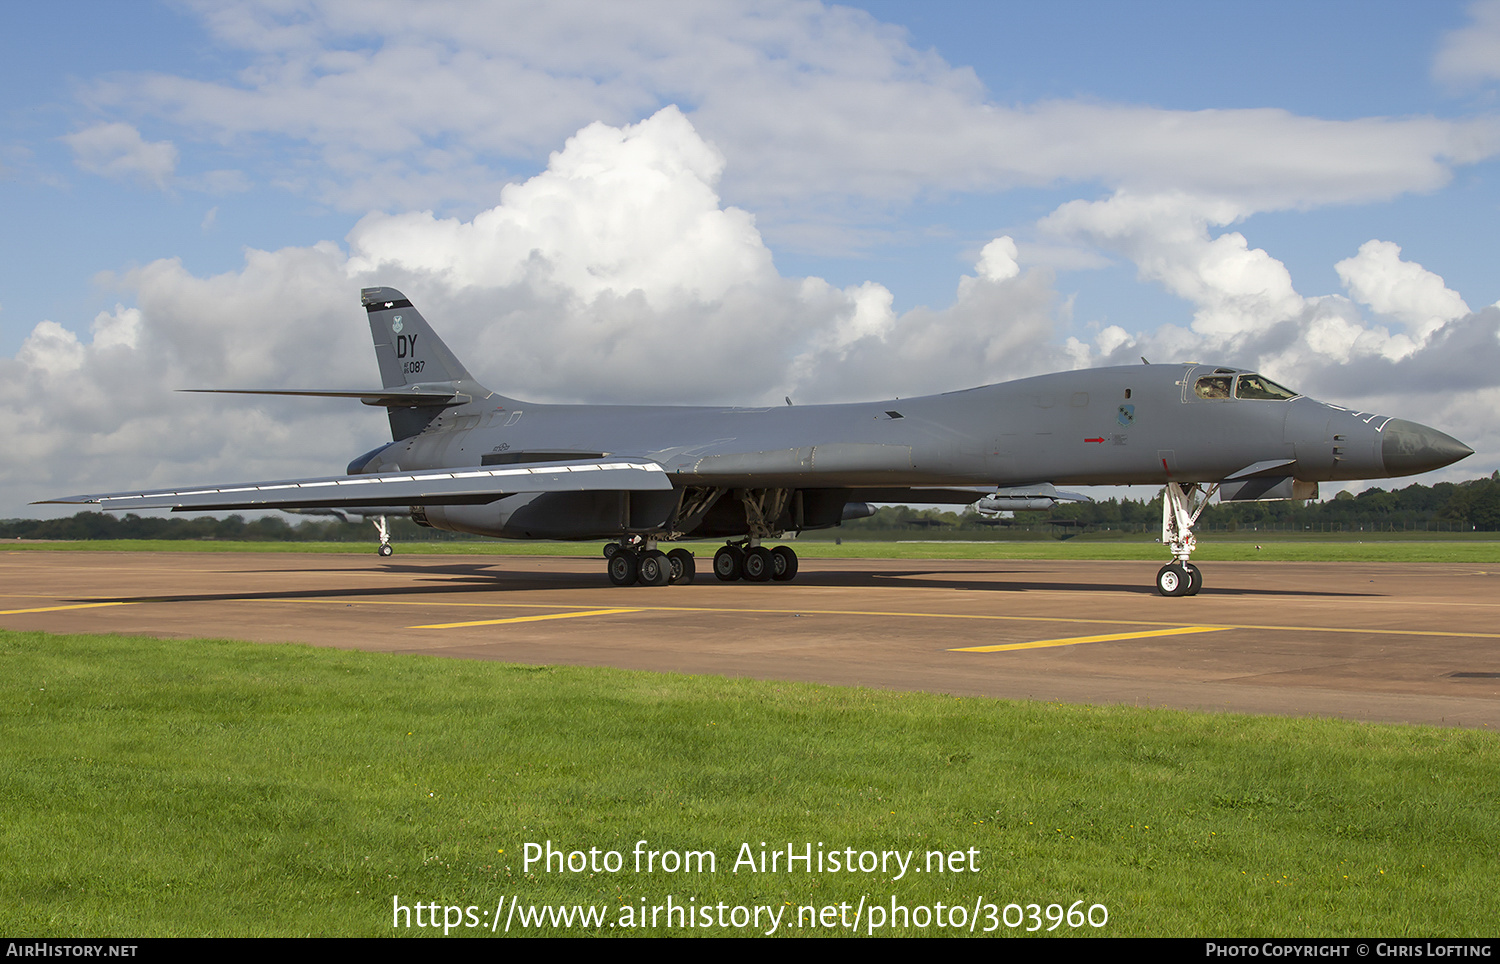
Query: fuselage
x=1147, y=424
x=1142, y=424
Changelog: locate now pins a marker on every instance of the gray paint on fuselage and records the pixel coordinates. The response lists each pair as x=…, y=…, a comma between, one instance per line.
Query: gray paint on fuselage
x=1065, y=428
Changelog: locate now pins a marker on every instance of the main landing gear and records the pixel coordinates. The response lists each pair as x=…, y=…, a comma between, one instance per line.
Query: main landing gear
x=639, y=561
x=755, y=563
x=1179, y=510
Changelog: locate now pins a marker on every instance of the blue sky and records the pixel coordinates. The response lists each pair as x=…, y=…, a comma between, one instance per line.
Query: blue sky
x=792, y=196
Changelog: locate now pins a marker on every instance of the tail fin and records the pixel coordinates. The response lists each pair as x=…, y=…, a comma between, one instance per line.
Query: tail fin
x=411, y=354
x=408, y=350
x=421, y=377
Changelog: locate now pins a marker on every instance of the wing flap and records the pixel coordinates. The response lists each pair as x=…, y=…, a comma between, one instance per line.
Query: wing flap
x=463, y=486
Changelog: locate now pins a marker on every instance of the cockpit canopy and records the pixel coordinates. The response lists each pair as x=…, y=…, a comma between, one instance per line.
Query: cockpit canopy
x=1227, y=384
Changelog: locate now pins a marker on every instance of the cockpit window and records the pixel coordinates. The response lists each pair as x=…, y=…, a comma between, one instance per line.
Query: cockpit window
x=1213, y=386
x=1259, y=386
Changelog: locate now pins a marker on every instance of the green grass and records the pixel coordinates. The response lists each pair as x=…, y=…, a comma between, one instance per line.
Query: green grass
x=205, y=787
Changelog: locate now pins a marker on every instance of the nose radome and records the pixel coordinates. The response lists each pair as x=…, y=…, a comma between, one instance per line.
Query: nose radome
x=1408, y=448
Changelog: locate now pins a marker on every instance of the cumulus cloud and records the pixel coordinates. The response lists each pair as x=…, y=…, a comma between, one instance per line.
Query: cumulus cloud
x=1236, y=290
x=98, y=412
x=1423, y=350
x=1405, y=290
x=619, y=275
x=615, y=275
x=997, y=261
x=618, y=210
x=118, y=150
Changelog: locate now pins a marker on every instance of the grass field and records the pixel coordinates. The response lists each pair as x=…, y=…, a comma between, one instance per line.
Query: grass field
x=204, y=787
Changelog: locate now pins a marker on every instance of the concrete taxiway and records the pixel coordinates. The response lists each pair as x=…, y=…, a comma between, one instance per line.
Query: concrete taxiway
x=1379, y=642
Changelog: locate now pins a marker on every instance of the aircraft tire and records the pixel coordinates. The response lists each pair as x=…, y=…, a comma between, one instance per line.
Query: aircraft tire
x=784, y=564
x=655, y=570
x=385, y=549
x=684, y=567
x=729, y=563
x=1172, y=580
x=1197, y=579
x=760, y=566
x=623, y=568
x=610, y=549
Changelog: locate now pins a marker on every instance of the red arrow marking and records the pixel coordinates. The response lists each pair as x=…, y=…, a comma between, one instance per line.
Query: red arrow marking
x=1093, y=440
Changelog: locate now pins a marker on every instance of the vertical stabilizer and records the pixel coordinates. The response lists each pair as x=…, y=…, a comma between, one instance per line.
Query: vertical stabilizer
x=409, y=351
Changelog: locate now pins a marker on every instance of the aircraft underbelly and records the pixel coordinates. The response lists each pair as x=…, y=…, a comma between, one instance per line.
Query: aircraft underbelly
x=559, y=515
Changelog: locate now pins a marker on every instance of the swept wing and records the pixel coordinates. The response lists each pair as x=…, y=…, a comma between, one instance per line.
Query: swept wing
x=463, y=486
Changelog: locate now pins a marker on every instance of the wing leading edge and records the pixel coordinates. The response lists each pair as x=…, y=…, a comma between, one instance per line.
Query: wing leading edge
x=464, y=486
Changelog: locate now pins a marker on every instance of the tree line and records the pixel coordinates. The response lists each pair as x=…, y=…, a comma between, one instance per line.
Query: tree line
x=235, y=528
x=1454, y=506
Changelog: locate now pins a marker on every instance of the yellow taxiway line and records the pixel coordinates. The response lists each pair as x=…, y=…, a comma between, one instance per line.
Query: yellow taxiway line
x=1075, y=640
x=1147, y=629
x=53, y=609
x=525, y=619
x=1094, y=620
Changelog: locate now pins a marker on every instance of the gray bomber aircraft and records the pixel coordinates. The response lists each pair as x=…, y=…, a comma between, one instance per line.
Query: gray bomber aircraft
x=465, y=459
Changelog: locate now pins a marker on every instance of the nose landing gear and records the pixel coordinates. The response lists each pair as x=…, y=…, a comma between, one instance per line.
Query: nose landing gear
x=1179, y=510
x=384, y=531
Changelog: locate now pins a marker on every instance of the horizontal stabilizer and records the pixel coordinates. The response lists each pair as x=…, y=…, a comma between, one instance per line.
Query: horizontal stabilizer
x=466, y=486
x=401, y=397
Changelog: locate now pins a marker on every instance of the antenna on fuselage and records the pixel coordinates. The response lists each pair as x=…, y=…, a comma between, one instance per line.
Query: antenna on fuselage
x=1143, y=360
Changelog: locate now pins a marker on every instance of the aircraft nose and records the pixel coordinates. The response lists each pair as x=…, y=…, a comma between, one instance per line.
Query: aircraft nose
x=1408, y=448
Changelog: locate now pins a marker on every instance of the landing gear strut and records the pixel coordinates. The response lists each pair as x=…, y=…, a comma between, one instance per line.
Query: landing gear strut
x=384, y=531
x=768, y=513
x=1179, y=510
